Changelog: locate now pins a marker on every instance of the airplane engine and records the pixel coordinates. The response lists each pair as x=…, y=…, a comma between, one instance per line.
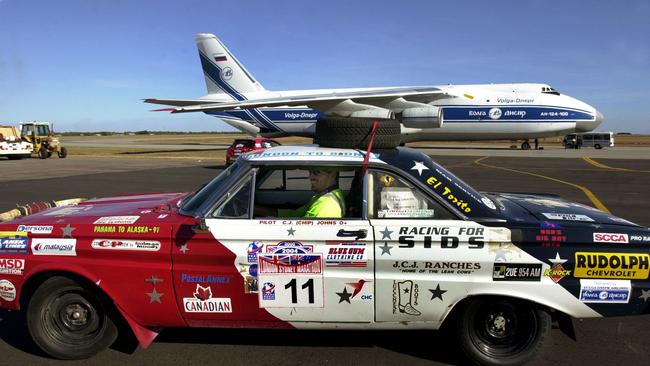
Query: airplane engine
x=422, y=117
x=375, y=113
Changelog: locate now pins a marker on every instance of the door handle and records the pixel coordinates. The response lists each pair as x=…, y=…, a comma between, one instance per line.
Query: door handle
x=358, y=234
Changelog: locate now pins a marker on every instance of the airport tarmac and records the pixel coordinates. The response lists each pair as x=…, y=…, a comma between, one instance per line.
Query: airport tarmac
x=619, y=184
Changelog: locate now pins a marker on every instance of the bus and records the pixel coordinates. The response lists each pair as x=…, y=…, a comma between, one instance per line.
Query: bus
x=597, y=140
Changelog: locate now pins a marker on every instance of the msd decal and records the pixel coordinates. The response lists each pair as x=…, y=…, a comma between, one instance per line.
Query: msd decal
x=610, y=238
x=12, y=266
x=203, y=302
x=52, y=246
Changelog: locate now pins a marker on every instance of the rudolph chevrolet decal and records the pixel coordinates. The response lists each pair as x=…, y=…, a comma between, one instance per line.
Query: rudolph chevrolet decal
x=634, y=266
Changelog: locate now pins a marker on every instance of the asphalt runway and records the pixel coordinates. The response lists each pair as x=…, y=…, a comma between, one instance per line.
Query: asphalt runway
x=620, y=185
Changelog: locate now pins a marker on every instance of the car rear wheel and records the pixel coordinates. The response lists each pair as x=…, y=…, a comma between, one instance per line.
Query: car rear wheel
x=493, y=331
x=68, y=321
x=354, y=133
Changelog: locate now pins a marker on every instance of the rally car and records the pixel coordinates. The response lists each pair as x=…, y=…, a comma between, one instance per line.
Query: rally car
x=416, y=249
x=242, y=146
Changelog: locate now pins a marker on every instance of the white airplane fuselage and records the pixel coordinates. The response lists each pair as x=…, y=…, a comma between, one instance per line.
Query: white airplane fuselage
x=447, y=112
x=482, y=112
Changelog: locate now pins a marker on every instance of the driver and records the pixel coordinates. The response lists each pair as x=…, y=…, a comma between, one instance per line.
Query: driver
x=327, y=202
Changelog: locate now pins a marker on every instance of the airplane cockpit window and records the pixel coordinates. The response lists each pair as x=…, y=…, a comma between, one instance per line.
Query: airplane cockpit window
x=549, y=90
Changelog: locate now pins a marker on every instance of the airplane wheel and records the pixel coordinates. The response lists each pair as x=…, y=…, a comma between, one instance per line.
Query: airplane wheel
x=598, y=147
x=525, y=145
x=354, y=133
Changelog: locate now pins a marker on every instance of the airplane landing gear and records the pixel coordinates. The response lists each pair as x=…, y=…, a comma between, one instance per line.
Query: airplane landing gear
x=525, y=145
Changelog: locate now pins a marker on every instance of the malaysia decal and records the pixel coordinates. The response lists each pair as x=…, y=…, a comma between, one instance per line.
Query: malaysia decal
x=116, y=220
x=12, y=266
x=405, y=297
x=13, y=242
x=203, y=302
x=605, y=291
x=517, y=272
x=54, y=246
x=7, y=290
x=567, y=217
x=632, y=266
x=36, y=229
x=117, y=244
x=346, y=254
x=610, y=238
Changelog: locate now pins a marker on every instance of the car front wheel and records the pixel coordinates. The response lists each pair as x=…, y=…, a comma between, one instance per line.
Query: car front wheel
x=68, y=321
x=493, y=331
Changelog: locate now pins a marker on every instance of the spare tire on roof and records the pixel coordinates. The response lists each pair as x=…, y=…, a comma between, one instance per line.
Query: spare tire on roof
x=354, y=133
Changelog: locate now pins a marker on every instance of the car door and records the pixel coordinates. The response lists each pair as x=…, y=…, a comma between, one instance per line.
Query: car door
x=295, y=269
x=425, y=257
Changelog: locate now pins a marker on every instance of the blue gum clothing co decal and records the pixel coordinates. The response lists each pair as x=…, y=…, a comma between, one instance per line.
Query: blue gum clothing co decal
x=346, y=254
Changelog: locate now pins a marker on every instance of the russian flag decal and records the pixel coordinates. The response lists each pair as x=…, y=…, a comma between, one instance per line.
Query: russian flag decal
x=219, y=57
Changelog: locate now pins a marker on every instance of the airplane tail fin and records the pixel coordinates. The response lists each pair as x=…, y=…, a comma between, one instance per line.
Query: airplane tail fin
x=223, y=72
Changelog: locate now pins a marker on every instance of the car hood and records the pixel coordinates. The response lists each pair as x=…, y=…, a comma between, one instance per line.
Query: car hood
x=554, y=208
x=127, y=209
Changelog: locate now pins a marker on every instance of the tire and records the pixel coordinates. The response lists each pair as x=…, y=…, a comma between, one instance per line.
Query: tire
x=42, y=153
x=598, y=147
x=354, y=133
x=63, y=153
x=68, y=321
x=525, y=145
x=485, y=337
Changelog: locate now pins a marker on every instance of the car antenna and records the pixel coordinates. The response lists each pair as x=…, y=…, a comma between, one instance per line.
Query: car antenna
x=364, y=167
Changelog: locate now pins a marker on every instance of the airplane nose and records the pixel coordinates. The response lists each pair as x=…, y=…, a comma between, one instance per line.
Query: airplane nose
x=586, y=126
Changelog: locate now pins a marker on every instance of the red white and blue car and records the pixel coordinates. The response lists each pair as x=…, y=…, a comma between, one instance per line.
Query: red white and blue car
x=417, y=248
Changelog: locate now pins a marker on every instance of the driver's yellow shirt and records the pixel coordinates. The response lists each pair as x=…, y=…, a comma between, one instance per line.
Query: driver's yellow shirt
x=329, y=205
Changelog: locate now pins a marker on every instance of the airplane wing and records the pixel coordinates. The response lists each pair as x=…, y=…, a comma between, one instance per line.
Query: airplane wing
x=323, y=102
x=176, y=102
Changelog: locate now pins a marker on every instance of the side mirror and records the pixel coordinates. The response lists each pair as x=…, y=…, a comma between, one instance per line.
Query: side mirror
x=202, y=225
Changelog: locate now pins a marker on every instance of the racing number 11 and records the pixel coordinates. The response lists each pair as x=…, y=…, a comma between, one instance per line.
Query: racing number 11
x=309, y=284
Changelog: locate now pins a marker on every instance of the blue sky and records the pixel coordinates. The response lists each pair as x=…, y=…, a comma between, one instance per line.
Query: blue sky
x=86, y=64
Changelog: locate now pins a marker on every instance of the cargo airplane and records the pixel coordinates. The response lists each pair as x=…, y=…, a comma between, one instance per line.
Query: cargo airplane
x=449, y=112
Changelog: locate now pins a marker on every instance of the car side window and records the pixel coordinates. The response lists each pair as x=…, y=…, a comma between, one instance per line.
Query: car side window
x=391, y=197
x=237, y=204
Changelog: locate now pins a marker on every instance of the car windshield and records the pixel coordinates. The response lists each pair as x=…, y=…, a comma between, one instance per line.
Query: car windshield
x=195, y=200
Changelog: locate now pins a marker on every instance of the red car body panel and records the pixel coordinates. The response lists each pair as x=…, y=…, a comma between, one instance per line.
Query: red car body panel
x=148, y=286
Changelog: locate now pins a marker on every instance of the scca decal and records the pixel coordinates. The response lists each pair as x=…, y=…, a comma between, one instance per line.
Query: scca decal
x=610, y=238
x=612, y=265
